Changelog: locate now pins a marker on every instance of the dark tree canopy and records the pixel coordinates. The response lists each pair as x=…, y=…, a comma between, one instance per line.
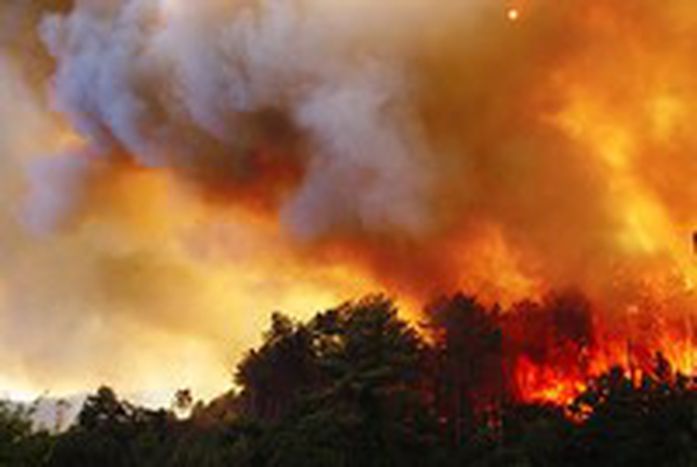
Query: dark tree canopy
x=357, y=386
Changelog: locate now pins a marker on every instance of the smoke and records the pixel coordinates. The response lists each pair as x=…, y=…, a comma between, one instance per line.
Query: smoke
x=110, y=272
x=166, y=160
x=229, y=95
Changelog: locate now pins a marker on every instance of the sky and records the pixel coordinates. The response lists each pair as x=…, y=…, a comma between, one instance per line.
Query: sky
x=173, y=172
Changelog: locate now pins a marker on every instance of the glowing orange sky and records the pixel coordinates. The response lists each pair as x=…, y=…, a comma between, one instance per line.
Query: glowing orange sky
x=292, y=156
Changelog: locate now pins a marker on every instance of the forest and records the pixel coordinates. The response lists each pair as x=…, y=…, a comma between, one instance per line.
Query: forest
x=358, y=386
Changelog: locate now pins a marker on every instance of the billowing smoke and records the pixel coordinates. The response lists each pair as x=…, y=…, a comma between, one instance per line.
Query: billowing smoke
x=169, y=159
x=233, y=96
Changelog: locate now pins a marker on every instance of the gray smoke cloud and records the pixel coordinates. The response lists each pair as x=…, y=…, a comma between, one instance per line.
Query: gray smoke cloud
x=203, y=88
x=108, y=270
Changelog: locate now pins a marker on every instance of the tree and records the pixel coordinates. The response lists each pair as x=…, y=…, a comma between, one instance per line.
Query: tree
x=20, y=444
x=361, y=403
x=113, y=433
x=649, y=422
x=275, y=375
x=356, y=386
x=469, y=373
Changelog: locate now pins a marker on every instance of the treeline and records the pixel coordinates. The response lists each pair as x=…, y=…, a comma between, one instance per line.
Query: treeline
x=356, y=386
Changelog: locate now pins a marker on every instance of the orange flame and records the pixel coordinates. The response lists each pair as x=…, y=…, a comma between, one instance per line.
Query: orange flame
x=561, y=378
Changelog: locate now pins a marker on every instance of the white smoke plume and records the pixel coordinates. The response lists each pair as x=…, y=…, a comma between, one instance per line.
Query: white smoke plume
x=224, y=91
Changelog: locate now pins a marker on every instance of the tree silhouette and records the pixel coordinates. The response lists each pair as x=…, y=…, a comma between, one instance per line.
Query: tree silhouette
x=469, y=373
x=367, y=398
x=20, y=444
x=274, y=376
x=356, y=386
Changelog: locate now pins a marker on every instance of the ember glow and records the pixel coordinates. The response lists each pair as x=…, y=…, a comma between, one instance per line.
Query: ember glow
x=174, y=171
x=561, y=380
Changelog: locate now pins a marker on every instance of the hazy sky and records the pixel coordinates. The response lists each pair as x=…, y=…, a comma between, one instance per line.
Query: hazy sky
x=171, y=172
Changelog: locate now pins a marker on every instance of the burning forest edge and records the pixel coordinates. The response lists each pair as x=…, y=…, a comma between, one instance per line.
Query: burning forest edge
x=357, y=385
x=171, y=169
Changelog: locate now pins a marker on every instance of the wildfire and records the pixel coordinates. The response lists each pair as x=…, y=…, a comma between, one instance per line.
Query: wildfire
x=541, y=383
x=645, y=346
x=247, y=156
